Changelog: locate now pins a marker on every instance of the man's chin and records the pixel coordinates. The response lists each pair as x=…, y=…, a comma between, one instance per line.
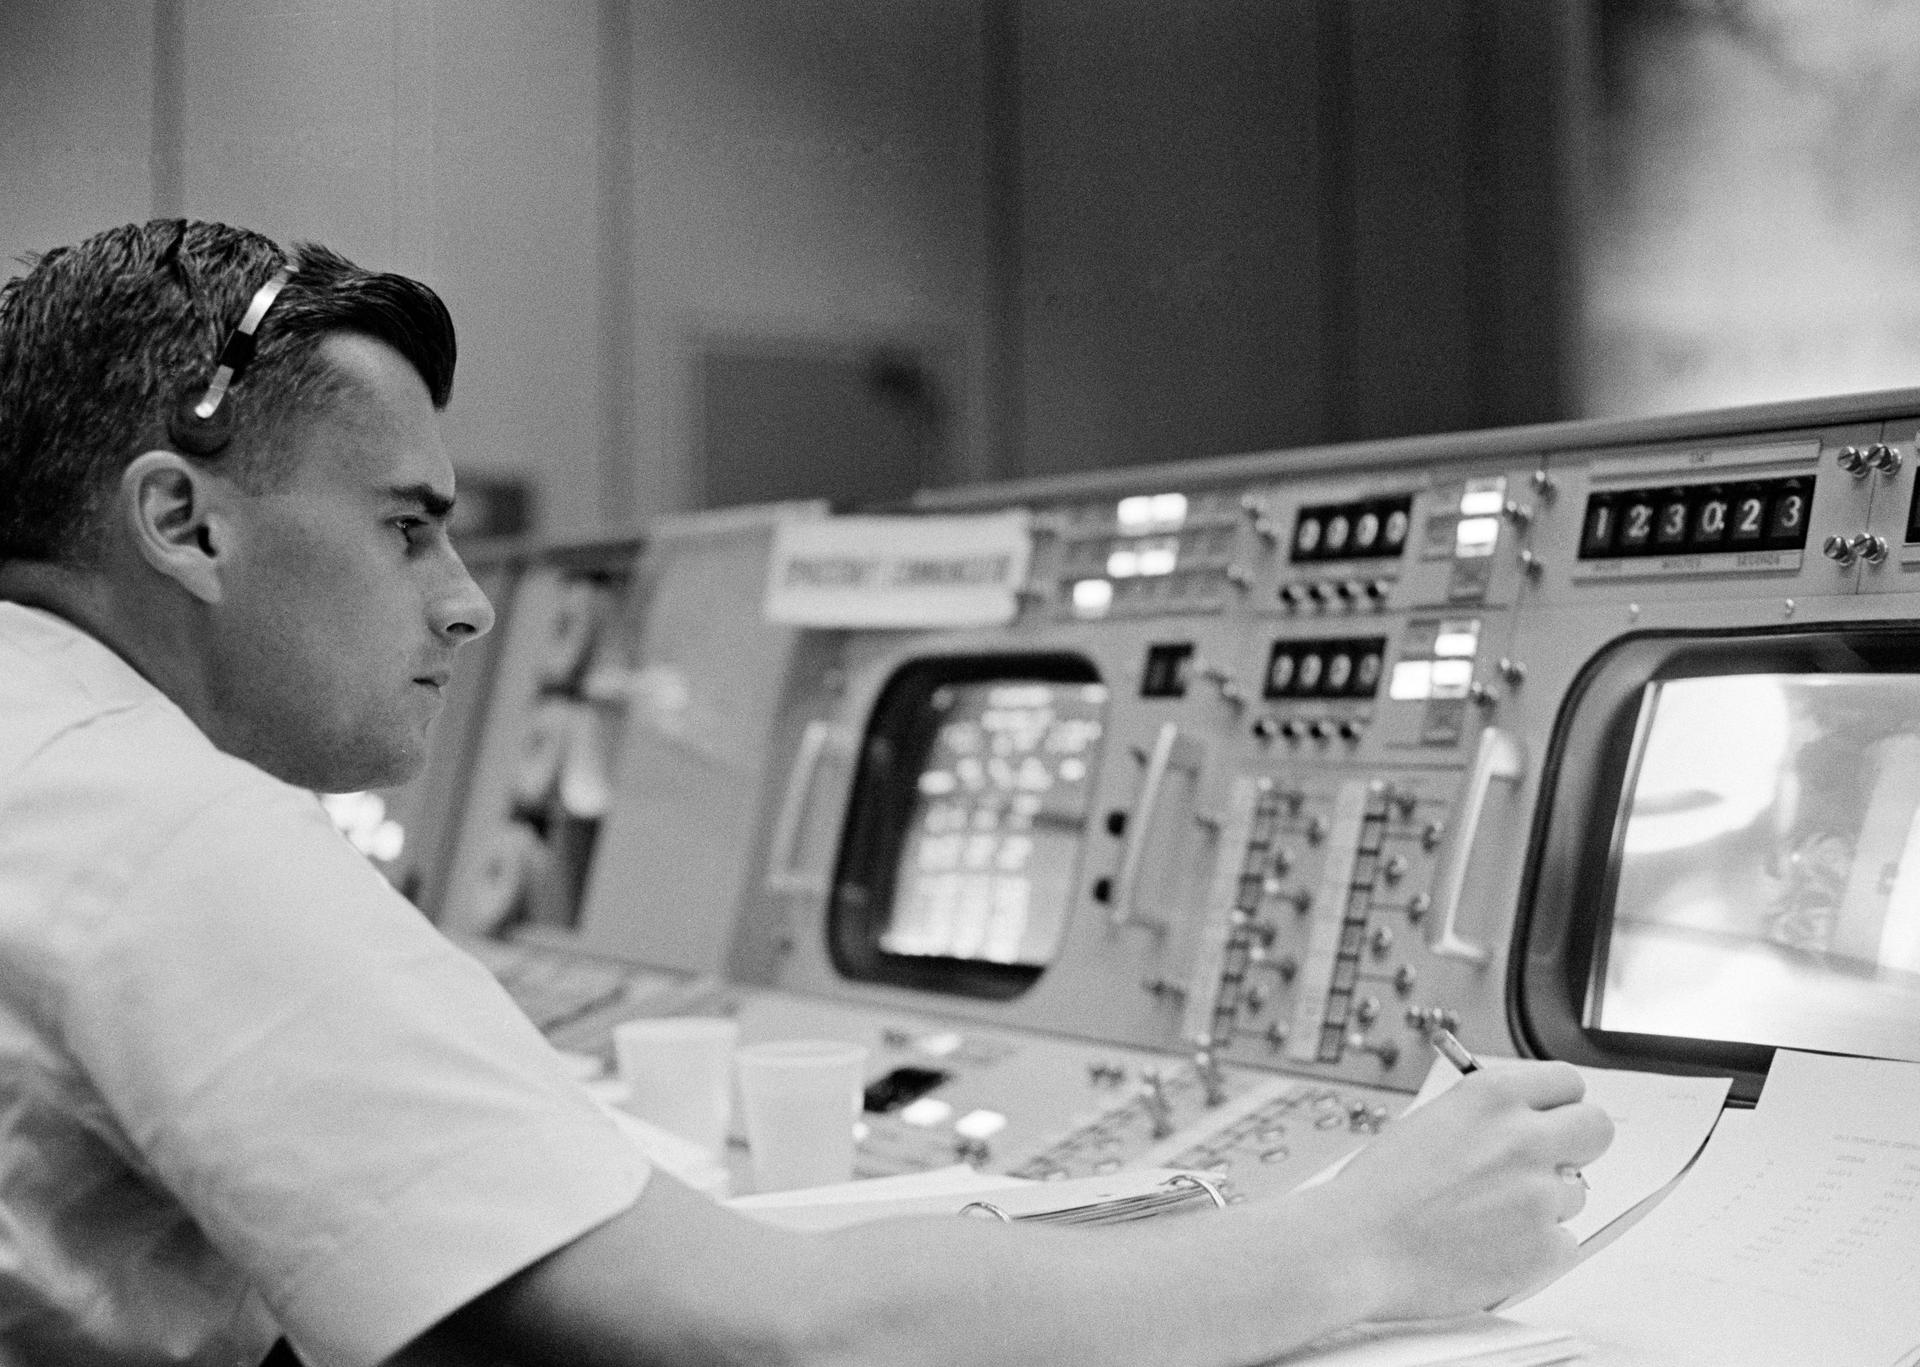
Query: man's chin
x=366, y=767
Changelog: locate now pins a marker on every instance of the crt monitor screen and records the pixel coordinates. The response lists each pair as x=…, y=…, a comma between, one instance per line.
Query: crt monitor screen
x=971, y=803
x=1765, y=867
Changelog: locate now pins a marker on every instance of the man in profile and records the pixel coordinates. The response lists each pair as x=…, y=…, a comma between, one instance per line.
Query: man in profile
x=246, y=1091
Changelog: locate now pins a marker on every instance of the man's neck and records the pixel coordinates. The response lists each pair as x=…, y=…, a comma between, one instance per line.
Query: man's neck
x=136, y=632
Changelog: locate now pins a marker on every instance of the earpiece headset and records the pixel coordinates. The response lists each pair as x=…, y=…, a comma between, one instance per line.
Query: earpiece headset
x=201, y=424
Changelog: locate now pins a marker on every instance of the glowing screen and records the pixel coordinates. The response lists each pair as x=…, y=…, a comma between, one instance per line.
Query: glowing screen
x=1000, y=806
x=1767, y=866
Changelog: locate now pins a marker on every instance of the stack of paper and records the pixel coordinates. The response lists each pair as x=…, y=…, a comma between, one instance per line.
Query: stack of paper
x=1795, y=1239
x=1471, y=1341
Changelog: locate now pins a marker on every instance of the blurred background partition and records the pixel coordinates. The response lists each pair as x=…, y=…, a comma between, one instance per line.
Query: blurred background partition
x=1755, y=232
x=720, y=251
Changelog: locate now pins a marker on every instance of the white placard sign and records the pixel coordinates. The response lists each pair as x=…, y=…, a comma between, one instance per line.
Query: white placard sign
x=937, y=571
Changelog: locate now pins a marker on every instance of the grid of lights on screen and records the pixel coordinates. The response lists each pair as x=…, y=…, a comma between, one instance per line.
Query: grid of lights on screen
x=1446, y=673
x=1150, y=526
x=987, y=868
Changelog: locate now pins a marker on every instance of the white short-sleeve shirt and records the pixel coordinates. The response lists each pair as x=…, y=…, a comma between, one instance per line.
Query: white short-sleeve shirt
x=245, y=1088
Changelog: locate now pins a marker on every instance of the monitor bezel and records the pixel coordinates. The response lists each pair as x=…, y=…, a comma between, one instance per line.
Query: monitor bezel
x=868, y=857
x=1572, y=861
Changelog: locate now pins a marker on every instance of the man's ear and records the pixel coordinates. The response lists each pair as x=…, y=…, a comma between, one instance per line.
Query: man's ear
x=173, y=518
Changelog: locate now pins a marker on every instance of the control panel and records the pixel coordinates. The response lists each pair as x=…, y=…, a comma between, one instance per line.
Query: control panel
x=1257, y=782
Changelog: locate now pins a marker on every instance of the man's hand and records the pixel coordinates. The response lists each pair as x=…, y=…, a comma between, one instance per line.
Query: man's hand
x=1460, y=1202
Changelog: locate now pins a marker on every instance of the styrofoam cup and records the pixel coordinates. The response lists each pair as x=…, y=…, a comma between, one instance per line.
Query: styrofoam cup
x=800, y=1099
x=679, y=1074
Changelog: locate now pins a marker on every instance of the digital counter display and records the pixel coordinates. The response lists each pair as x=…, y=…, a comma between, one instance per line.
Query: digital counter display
x=1000, y=805
x=1696, y=519
x=1365, y=529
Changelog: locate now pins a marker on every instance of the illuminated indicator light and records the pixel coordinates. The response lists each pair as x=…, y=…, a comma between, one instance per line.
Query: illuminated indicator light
x=1452, y=678
x=1135, y=514
x=1092, y=597
x=1457, y=641
x=1015, y=696
x=1412, y=681
x=860, y=1131
x=938, y=783
x=946, y=1043
x=1158, y=558
x=1123, y=564
x=928, y=1111
x=980, y=1124
x=1150, y=513
x=1484, y=497
x=1475, y=536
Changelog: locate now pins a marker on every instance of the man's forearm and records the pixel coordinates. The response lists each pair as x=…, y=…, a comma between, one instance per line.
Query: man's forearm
x=1224, y=1288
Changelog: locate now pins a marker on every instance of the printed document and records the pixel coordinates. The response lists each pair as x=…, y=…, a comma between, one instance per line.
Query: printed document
x=1795, y=1239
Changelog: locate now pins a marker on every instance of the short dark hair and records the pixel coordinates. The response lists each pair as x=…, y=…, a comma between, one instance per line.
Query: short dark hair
x=99, y=341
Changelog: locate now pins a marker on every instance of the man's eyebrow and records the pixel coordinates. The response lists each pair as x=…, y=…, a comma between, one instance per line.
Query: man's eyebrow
x=427, y=498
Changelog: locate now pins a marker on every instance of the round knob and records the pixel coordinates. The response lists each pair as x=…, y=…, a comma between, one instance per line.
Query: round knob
x=1883, y=458
x=1367, y=1010
x=1870, y=548
x=1351, y=730
x=1419, y=905
x=1543, y=483
x=1530, y=562
x=1517, y=513
x=1431, y=836
x=1293, y=595
x=1266, y=726
x=1851, y=459
x=1395, y=868
x=1287, y=967
x=1316, y=830
x=1377, y=590
x=1512, y=671
x=1404, y=978
x=1838, y=549
x=1381, y=941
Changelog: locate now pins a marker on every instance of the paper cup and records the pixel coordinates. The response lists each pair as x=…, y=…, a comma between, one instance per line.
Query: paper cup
x=678, y=1074
x=800, y=1099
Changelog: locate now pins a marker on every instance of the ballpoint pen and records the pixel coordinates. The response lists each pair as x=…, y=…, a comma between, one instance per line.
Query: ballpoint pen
x=1452, y=1050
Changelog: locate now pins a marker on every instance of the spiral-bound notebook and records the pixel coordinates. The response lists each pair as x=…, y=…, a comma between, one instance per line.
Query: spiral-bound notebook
x=1117, y=1198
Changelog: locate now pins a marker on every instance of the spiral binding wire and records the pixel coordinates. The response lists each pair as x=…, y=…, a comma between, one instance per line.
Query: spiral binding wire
x=1179, y=1192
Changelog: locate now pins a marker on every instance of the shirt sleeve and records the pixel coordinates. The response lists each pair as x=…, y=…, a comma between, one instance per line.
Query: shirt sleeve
x=348, y=1105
